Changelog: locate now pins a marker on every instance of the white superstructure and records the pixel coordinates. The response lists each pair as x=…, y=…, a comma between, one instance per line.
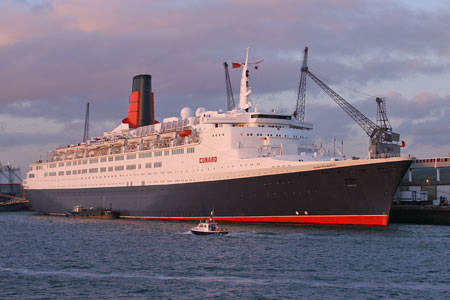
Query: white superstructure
x=212, y=145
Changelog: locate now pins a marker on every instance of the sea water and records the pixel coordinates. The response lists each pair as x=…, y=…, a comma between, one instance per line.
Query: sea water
x=44, y=257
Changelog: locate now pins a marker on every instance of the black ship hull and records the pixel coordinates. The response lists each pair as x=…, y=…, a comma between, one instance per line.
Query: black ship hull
x=360, y=194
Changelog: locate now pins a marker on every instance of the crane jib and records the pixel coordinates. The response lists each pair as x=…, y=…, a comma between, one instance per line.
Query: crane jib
x=382, y=139
x=365, y=123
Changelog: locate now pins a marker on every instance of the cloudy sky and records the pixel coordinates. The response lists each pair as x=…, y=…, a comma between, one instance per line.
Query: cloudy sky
x=57, y=55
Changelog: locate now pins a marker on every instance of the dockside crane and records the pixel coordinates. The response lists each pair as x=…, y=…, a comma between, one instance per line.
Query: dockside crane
x=230, y=99
x=86, y=125
x=383, y=141
x=299, y=113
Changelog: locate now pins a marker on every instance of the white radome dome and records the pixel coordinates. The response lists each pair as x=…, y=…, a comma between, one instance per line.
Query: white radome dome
x=186, y=112
x=199, y=111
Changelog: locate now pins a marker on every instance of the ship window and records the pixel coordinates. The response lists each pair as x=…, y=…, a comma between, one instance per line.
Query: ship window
x=30, y=175
x=118, y=168
x=191, y=150
x=103, y=159
x=110, y=158
x=84, y=161
x=67, y=172
x=157, y=164
x=131, y=156
x=119, y=157
x=84, y=171
x=158, y=153
x=69, y=163
x=131, y=167
x=148, y=165
x=93, y=161
x=45, y=174
x=147, y=154
x=110, y=169
x=61, y=165
x=264, y=116
x=166, y=152
x=178, y=151
x=52, y=174
x=52, y=165
x=93, y=170
x=103, y=169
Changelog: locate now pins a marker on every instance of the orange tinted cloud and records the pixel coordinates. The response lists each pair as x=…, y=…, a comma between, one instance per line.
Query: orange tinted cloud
x=425, y=97
x=117, y=16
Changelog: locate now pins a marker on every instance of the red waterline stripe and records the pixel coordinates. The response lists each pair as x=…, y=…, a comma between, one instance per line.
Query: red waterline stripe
x=341, y=220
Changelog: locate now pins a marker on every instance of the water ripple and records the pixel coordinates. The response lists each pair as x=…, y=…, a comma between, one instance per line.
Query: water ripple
x=46, y=257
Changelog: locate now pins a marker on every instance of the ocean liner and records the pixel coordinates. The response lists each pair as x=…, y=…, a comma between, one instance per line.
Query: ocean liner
x=245, y=164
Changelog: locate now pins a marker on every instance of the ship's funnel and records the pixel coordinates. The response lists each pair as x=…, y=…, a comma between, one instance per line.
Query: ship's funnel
x=141, y=103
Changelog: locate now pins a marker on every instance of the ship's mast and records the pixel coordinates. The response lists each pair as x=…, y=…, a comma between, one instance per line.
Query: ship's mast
x=245, y=88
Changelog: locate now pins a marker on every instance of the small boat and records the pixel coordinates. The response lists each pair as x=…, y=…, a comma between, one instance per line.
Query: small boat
x=79, y=211
x=208, y=227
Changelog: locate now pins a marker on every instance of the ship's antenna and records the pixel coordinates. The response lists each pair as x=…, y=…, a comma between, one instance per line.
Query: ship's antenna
x=245, y=88
x=86, y=125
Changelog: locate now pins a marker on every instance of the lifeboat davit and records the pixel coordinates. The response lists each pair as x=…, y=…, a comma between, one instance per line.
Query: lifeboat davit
x=185, y=133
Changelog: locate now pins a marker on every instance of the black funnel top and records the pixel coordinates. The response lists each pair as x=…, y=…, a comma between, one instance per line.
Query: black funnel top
x=143, y=84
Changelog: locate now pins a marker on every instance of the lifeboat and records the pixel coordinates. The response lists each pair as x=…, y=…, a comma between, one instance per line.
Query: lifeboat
x=185, y=133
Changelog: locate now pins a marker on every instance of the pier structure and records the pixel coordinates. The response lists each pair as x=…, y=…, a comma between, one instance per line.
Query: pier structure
x=422, y=196
x=427, y=181
x=437, y=163
x=10, y=182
